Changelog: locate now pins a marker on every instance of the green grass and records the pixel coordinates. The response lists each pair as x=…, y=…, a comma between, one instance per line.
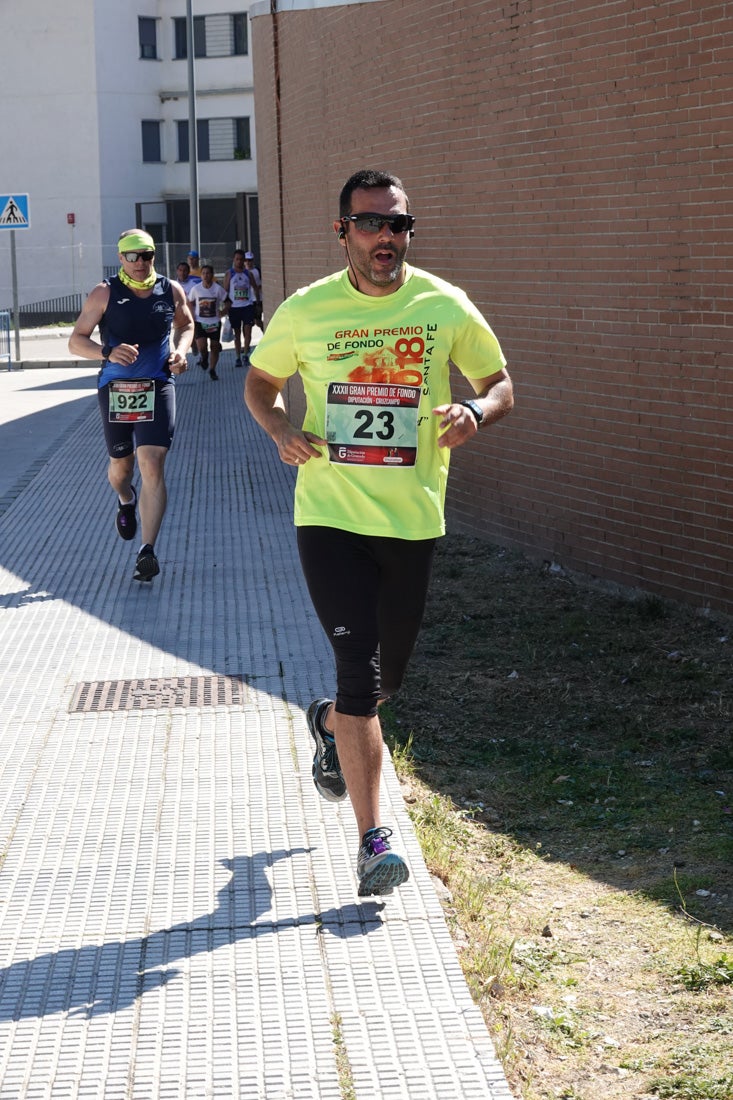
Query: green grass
x=685, y=1086
x=702, y=975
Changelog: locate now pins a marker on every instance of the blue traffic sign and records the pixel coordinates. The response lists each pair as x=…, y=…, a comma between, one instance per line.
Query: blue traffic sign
x=15, y=212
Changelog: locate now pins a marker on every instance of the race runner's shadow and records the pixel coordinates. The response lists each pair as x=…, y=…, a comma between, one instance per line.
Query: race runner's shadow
x=96, y=979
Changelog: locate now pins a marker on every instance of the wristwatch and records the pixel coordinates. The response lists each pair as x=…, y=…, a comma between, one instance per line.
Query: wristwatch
x=476, y=409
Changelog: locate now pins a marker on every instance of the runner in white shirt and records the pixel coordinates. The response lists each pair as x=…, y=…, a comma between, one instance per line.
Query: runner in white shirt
x=210, y=303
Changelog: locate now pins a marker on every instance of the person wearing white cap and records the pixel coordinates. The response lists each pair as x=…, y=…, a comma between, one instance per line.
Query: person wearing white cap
x=241, y=287
x=249, y=265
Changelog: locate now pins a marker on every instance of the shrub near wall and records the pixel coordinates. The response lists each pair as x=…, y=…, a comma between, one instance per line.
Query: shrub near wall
x=569, y=164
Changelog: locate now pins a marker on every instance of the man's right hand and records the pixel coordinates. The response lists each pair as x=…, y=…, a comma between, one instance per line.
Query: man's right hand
x=264, y=399
x=296, y=447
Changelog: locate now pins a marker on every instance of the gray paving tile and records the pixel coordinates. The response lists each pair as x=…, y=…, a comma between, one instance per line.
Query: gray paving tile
x=178, y=908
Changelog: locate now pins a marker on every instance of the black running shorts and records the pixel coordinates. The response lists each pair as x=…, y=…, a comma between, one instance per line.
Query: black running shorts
x=201, y=333
x=241, y=315
x=123, y=438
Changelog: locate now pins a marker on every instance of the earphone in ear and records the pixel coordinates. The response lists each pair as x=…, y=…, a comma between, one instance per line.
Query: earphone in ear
x=341, y=234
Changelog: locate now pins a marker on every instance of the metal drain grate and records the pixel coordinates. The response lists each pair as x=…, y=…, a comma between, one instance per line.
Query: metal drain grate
x=173, y=691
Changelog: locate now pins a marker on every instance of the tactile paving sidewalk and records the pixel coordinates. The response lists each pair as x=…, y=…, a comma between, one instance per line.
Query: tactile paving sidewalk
x=178, y=908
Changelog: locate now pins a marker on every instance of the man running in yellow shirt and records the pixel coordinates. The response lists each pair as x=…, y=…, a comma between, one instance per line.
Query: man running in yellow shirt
x=373, y=345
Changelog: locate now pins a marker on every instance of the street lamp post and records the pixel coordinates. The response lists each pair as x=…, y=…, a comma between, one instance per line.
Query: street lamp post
x=193, y=159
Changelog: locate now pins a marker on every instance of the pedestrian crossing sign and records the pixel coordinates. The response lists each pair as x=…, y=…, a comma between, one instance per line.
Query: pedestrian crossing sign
x=14, y=212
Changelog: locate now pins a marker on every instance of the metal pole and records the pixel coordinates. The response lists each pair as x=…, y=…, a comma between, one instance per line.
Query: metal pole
x=193, y=157
x=73, y=269
x=16, y=308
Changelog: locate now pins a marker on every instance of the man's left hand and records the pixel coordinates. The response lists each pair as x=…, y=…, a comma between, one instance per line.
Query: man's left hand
x=177, y=363
x=457, y=424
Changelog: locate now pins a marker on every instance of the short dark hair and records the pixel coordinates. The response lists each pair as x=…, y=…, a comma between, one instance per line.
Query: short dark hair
x=207, y=267
x=365, y=180
x=238, y=252
x=182, y=263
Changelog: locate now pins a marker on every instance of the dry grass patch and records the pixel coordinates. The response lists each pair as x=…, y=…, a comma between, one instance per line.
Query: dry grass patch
x=567, y=756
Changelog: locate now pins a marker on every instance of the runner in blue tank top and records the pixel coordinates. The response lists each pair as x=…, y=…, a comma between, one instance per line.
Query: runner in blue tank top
x=135, y=311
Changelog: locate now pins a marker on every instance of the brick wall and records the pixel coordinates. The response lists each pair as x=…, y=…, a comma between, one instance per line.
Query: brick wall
x=569, y=164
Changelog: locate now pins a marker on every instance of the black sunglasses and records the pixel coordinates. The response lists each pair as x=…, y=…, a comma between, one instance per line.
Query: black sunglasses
x=133, y=257
x=372, y=223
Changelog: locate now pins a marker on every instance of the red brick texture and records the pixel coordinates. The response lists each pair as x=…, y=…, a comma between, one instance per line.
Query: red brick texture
x=569, y=164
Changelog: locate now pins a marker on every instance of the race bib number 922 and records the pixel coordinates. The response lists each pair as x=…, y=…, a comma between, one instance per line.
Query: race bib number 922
x=131, y=402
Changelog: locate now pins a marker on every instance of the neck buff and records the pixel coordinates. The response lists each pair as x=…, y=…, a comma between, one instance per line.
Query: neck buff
x=137, y=241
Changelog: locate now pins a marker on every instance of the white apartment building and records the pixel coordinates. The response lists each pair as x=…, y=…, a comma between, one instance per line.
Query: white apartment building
x=94, y=129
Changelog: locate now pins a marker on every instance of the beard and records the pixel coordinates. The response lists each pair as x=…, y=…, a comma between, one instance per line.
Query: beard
x=380, y=272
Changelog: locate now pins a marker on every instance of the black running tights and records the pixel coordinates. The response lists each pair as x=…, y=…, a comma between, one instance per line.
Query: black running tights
x=369, y=594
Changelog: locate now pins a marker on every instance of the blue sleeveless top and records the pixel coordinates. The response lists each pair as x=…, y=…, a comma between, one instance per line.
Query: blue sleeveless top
x=142, y=321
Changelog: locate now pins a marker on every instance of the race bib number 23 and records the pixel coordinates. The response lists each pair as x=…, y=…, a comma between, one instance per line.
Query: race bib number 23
x=372, y=424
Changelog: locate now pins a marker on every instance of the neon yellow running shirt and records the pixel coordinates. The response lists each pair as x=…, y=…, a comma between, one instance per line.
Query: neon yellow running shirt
x=373, y=369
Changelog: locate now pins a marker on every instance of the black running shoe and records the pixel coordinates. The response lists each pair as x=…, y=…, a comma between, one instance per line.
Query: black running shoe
x=326, y=769
x=204, y=362
x=378, y=868
x=146, y=566
x=126, y=520
x=213, y=375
